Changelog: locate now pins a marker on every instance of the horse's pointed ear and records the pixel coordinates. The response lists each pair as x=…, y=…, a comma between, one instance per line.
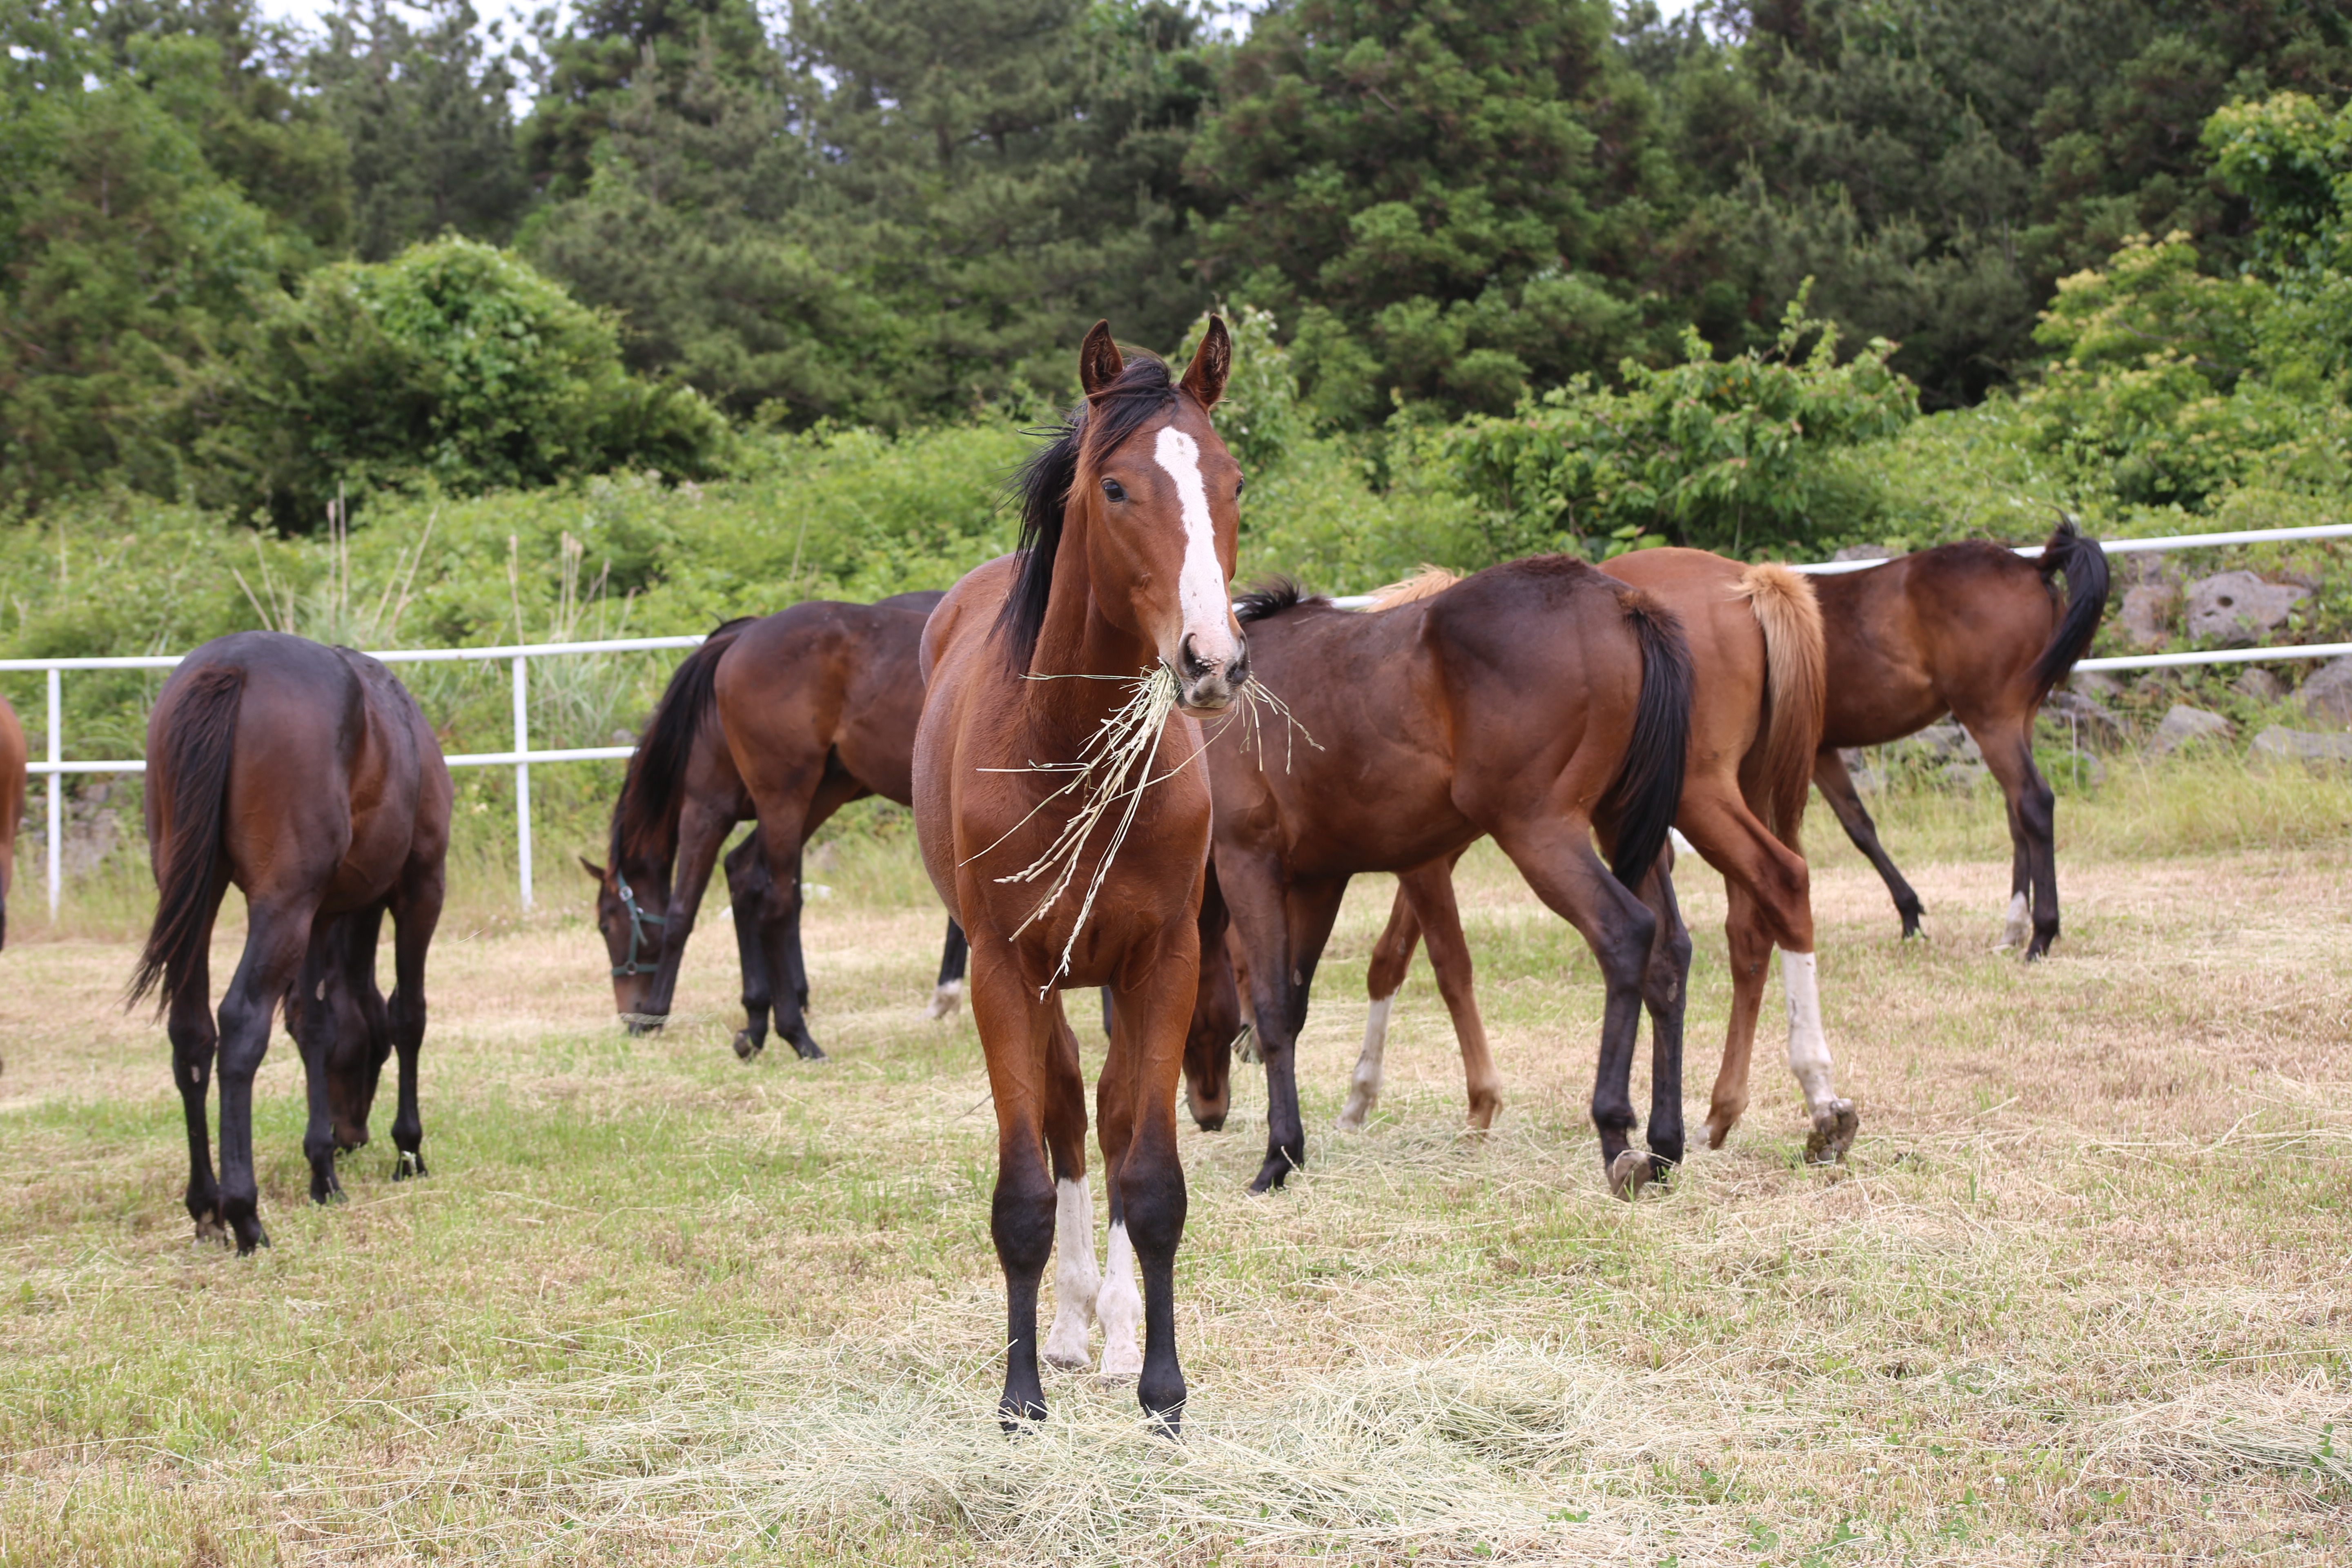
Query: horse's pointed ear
x=1204, y=378
x=1099, y=360
x=592, y=869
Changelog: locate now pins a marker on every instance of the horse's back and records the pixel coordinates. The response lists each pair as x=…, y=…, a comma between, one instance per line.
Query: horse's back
x=1927, y=632
x=954, y=643
x=822, y=676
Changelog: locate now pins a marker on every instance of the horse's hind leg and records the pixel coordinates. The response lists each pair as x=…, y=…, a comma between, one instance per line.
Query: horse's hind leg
x=194, y=1043
x=1430, y=888
x=416, y=914
x=312, y=1008
x=1284, y=929
x=1555, y=854
x=948, y=994
x=277, y=937
x=1836, y=785
x=1077, y=1284
x=2032, y=810
x=1391, y=958
x=747, y=889
x=1666, y=992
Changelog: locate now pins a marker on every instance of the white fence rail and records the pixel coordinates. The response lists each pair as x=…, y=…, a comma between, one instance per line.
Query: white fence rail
x=521, y=757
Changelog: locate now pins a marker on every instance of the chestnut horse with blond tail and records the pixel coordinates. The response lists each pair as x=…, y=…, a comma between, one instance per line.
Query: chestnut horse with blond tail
x=1756, y=646
x=1064, y=816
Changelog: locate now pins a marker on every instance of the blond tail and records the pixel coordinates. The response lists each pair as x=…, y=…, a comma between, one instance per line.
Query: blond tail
x=1795, y=689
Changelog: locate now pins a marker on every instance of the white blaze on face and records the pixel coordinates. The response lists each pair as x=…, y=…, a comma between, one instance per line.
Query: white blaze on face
x=1120, y=1308
x=1075, y=1283
x=1201, y=590
x=1364, y=1090
x=1809, y=1048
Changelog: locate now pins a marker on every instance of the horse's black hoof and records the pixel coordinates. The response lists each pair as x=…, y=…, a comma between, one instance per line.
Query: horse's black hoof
x=250, y=1237
x=746, y=1047
x=810, y=1051
x=1012, y=1413
x=639, y=1023
x=1629, y=1173
x=1275, y=1171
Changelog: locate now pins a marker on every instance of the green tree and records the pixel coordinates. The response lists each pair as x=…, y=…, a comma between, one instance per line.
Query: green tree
x=606, y=45
x=128, y=266
x=1423, y=188
x=424, y=109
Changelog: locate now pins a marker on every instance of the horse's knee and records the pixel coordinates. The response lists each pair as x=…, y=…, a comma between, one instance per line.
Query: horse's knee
x=1153, y=1203
x=1021, y=1217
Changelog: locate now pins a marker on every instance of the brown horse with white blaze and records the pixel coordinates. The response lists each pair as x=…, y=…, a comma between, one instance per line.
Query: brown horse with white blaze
x=1058, y=756
x=781, y=720
x=1757, y=656
x=1537, y=702
x=304, y=775
x=1977, y=631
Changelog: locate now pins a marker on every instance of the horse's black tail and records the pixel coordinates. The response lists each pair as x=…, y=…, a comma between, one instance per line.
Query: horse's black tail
x=2078, y=555
x=1649, y=783
x=648, y=811
x=198, y=740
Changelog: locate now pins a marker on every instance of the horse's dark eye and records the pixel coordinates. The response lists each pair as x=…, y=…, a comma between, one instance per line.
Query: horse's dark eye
x=1114, y=490
x=1240, y=485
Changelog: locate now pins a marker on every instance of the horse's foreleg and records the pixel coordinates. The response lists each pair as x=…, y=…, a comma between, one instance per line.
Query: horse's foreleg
x=277, y=936
x=1830, y=776
x=747, y=887
x=1283, y=930
x=948, y=994
x=701, y=831
x=1555, y=854
x=1076, y=1282
x=1137, y=1101
x=1015, y=1033
x=1430, y=888
x=416, y=914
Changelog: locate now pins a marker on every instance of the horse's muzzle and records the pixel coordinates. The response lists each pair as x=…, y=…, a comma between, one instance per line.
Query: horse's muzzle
x=1209, y=684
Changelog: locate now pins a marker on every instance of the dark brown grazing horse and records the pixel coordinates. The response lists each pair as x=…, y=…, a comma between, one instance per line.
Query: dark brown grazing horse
x=1537, y=702
x=1063, y=812
x=306, y=776
x=1976, y=631
x=1756, y=716
x=781, y=720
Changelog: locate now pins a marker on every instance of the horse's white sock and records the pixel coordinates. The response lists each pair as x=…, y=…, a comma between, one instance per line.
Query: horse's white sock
x=1120, y=1308
x=1075, y=1283
x=1809, y=1048
x=945, y=997
x=2016, y=928
x=1364, y=1090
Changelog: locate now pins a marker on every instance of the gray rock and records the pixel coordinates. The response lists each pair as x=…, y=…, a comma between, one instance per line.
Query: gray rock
x=1947, y=742
x=2146, y=615
x=1865, y=553
x=1961, y=777
x=2277, y=746
x=2238, y=608
x=2326, y=696
x=2076, y=768
x=2077, y=719
x=2095, y=684
x=2259, y=684
x=2185, y=726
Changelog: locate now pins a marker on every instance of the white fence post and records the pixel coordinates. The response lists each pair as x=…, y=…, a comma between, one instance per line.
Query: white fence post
x=522, y=777
x=57, y=791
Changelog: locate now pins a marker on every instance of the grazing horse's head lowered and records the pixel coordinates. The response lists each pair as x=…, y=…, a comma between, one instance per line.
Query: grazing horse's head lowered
x=632, y=919
x=1157, y=498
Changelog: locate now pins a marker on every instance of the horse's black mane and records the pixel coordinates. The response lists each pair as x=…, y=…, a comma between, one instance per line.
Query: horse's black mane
x=1271, y=598
x=644, y=817
x=1141, y=392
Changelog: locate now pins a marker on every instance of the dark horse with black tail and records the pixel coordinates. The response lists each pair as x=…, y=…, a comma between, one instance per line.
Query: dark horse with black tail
x=306, y=776
x=781, y=720
x=1977, y=631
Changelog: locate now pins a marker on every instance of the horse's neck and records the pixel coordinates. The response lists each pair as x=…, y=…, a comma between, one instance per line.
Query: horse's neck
x=1080, y=672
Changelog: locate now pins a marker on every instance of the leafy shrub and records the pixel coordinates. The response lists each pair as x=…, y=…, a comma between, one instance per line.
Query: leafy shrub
x=455, y=364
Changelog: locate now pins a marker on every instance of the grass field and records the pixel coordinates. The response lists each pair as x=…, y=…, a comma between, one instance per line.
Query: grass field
x=2084, y=1292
